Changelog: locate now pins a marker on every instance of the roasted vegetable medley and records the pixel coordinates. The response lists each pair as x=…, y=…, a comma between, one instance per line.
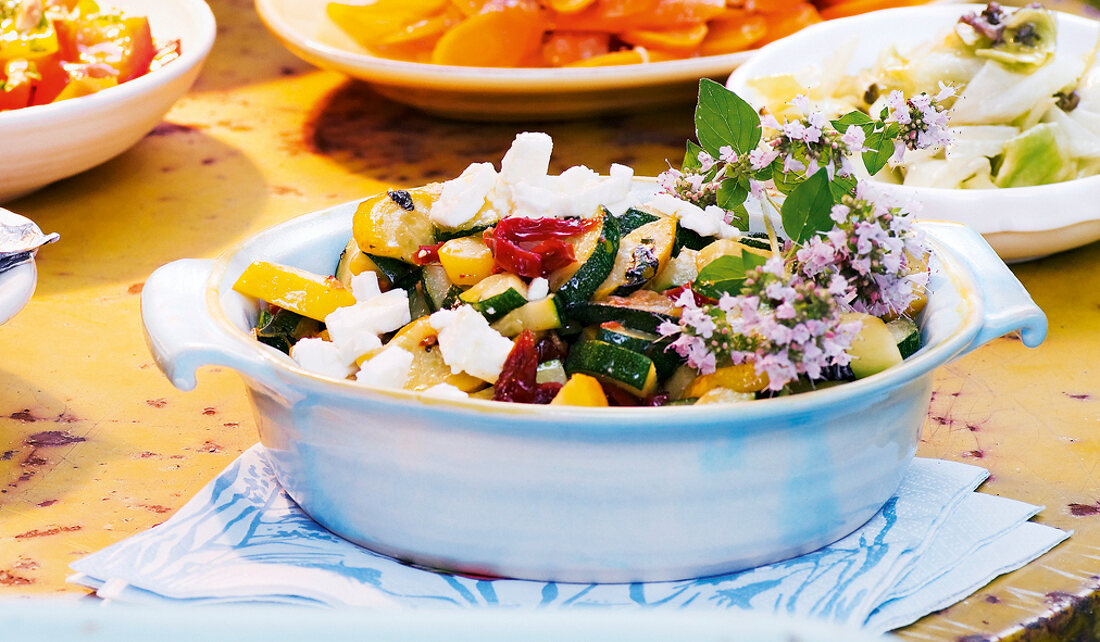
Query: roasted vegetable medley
x=593, y=290
x=559, y=33
x=53, y=50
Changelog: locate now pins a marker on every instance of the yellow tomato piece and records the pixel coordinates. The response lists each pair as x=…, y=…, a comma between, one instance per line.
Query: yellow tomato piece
x=428, y=368
x=467, y=260
x=681, y=39
x=738, y=378
x=580, y=390
x=501, y=38
x=635, y=56
x=382, y=227
x=310, y=295
x=569, y=6
x=423, y=32
x=727, y=35
x=724, y=395
x=84, y=86
x=371, y=24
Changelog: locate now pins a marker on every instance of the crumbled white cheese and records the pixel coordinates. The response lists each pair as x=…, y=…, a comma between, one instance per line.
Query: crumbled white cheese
x=364, y=286
x=468, y=344
x=355, y=328
x=446, y=391
x=705, y=222
x=524, y=189
x=441, y=319
x=538, y=289
x=320, y=357
x=387, y=369
x=463, y=197
x=528, y=159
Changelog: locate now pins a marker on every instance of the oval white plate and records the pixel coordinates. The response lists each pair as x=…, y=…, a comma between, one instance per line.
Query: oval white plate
x=481, y=93
x=1021, y=223
x=46, y=143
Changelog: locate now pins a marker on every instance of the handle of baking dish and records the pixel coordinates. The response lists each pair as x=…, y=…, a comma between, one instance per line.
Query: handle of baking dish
x=1007, y=306
x=180, y=330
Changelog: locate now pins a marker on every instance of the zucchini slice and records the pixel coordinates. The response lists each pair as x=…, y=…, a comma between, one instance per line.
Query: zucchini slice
x=906, y=335
x=353, y=261
x=874, y=349
x=282, y=328
x=496, y=295
x=643, y=310
x=634, y=218
x=680, y=270
x=437, y=286
x=642, y=255
x=596, y=266
x=615, y=365
x=384, y=226
x=399, y=273
x=535, y=316
x=650, y=345
x=551, y=372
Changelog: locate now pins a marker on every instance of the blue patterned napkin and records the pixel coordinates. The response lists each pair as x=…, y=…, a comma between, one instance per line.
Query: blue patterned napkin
x=242, y=539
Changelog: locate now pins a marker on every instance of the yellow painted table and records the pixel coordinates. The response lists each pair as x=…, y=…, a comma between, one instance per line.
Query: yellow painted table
x=96, y=445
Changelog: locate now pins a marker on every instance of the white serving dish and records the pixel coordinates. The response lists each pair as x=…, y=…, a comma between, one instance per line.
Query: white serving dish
x=46, y=143
x=1020, y=223
x=492, y=94
x=16, y=288
x=567, y=493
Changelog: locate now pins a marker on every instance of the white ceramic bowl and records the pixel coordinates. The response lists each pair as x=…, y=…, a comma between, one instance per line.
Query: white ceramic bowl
x=46, y=143
x=560, y=493
x=1019, y=222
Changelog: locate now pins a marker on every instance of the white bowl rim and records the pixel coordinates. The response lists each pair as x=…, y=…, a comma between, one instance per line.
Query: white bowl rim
x=920, y=364
x=191, y=55
x=511, y=79
x=932, y=10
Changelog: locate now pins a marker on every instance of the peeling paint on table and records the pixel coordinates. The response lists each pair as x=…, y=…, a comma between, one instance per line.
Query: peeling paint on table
x=96, y=445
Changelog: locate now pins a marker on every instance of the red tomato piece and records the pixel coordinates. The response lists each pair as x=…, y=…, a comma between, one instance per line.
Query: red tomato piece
x=125, y=44
x=517, y=381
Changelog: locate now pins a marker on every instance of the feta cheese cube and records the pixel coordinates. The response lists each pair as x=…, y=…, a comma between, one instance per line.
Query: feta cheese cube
x=383, y=313
x=463, y=197
x=468, y=344
x=387, y=369
x=364, y=286
x=441, y=319
x=538, y=289
x=705, y=222
x=528, y=159
x=446, y=391
x=320, y=357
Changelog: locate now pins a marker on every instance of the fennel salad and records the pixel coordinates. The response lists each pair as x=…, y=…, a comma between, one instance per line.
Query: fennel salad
x=1023, y=111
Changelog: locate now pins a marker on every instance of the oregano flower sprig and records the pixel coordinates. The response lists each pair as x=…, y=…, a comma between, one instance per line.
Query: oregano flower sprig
x=783, y=324
x=845, y=249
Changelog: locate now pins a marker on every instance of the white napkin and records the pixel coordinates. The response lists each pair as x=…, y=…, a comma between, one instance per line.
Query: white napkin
x=242, y=539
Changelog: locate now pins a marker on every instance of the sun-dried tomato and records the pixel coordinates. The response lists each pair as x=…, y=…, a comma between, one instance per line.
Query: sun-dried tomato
x=675, y=293
x=616, y=396
x=427, y=254
x=517, y=380
x=533, y=247
x=545, y=392
x=551, y=347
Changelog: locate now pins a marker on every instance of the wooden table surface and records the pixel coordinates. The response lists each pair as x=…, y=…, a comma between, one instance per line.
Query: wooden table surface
x=96, y=445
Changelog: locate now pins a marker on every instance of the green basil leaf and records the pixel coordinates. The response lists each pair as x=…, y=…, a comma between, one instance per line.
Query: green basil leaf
x=854, y=118
x=806, y=210
x=691, y=158
x=724, y=118
x=879, y=150
x=723, y=275
x=732, y=193
x=842, y=186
